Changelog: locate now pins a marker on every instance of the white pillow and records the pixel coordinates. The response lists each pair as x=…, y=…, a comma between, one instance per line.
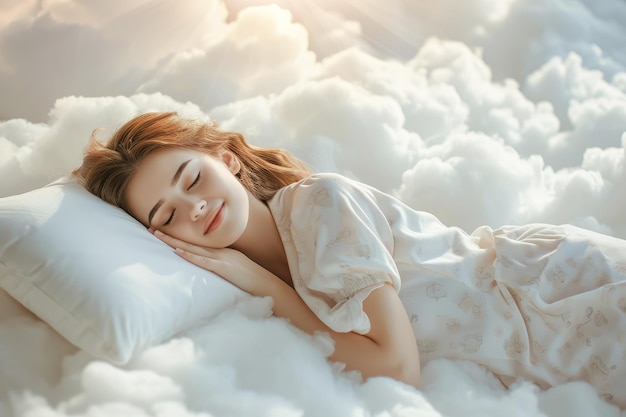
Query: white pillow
x=97, y=276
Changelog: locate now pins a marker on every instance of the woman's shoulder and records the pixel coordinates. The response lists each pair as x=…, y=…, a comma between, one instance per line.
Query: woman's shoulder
x=329, y=181
x=316, y=188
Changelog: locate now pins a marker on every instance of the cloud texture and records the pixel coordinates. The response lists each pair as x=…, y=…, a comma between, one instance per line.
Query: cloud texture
x=487, y=113
x=480, y=111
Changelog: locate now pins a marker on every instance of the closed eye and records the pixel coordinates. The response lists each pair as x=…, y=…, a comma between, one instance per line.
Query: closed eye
x=169, y=220
x=194, y=182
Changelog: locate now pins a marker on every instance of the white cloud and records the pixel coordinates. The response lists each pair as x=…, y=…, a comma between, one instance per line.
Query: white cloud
x=497, y=108
x=379, y=120
x=39, y=153
x=593, y=193
x=260, y=53
x=535, y=31
x=366, y=130
x=212, y=371
x=430, y=109
x=591, y=109
x=481, y=111
x=61, y=48
x=516, y=37
x=472, y=180
x=329, y=27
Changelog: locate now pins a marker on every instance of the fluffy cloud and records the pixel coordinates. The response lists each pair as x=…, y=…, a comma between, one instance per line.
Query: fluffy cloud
x=481, y=111
x=436, y=128
x=260, y=53
x=53, y=48
x=473, y=179
x=346, y=118
x=591, y=109
x=516, y=37
x=38, y=153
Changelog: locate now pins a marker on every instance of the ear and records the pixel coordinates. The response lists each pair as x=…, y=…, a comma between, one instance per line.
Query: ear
x=231, y=161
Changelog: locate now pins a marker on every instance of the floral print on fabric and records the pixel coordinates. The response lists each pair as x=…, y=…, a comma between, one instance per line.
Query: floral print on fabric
x=545, y=303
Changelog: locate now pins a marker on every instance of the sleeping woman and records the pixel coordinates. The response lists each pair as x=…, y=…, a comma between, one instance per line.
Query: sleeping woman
x=392, y=286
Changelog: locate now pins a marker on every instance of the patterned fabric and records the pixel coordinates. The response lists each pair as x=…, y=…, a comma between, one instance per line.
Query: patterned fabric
x=542, y=302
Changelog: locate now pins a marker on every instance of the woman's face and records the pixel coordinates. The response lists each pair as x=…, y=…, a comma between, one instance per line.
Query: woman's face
x=191, y=196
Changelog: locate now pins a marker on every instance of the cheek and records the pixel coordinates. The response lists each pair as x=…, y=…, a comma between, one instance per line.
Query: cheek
x=183, y=232
x=242, y=198
x=131, y=208
x=136, y=200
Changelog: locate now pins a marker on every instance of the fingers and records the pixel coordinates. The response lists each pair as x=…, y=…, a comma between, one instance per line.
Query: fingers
x=172, y=241
x=177, y=243
x=207, y=258
x=203, y=261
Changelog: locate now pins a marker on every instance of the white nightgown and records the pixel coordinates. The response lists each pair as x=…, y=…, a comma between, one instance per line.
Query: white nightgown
x=545, y=303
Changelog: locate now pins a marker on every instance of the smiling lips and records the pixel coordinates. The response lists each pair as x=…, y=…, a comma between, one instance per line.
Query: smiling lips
x=214, y=219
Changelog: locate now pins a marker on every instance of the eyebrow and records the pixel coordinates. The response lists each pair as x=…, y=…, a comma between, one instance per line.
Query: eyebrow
x=175, y=179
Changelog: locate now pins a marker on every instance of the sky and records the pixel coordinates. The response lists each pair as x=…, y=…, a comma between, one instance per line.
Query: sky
x=483, y=112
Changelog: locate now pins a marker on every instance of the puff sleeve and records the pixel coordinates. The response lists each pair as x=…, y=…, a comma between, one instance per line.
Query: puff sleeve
x=339, y=246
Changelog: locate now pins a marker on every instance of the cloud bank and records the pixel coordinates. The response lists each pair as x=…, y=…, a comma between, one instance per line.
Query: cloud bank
x=487, y=113
x=483, y=112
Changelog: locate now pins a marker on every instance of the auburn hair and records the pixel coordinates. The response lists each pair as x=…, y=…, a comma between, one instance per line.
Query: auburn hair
x=107, y=168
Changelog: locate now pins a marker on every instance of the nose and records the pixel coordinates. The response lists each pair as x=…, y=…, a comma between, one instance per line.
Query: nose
x=198, y=209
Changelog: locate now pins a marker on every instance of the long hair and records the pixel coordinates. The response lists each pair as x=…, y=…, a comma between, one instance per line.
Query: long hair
x=107, y=168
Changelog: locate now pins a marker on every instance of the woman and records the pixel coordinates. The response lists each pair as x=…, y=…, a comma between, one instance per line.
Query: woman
x=393, y=287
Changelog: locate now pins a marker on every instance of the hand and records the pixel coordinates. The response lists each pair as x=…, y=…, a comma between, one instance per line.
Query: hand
x=230, y=264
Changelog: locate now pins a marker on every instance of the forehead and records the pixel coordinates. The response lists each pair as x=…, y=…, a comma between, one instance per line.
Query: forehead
x=152, y=178
x=164, y=158
x=160, y=166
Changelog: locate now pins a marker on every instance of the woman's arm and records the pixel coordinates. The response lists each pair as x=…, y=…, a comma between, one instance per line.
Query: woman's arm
x=389, y=349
